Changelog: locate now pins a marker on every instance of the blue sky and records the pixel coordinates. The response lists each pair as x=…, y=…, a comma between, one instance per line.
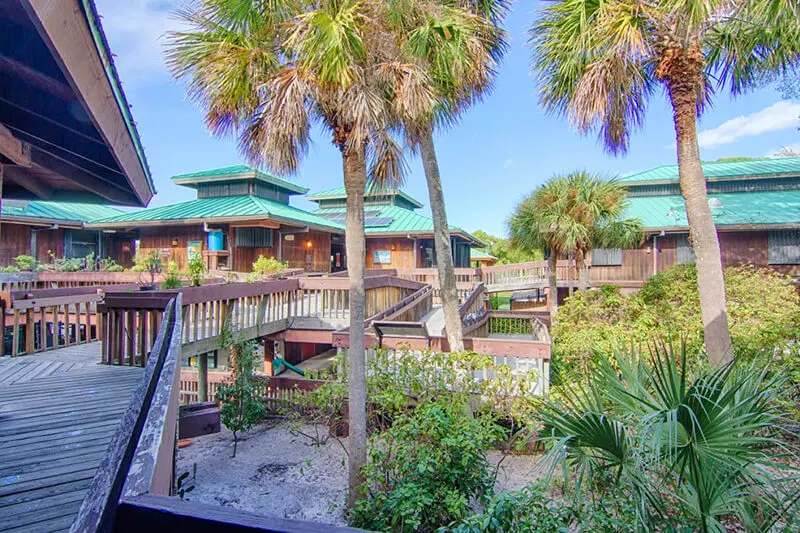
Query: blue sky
x=502, y=149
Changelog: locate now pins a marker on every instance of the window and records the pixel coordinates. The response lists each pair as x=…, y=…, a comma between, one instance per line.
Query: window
x=685, y=252
x=607, y=257
x=253, y=238
x=212, y=361
x=784, y=247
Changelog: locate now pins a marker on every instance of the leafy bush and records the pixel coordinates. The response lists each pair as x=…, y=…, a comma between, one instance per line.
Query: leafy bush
x=197, y=269
x=150, y=263
x=264, y=267
x=173, y=277
x=109, y=265
x=427, y=469
x=702, y=444
x=25, y=262
x=240, y=406
x=533, y=509
x=763, y=312
x=9, y=268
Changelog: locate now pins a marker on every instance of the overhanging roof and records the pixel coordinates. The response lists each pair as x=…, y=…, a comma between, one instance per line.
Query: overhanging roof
x=392, y=220
x=234, y=173
x=67, y=133
x=716, y=171
x=225, y=209
x=760, y=209
x=44, y=212
x=339, y=193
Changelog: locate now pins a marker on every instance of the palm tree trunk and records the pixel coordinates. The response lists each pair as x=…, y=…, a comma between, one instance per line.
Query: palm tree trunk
x=682, y=85
x=583, y=270
x=552, y=280
x=355, y=180
x=441, y=237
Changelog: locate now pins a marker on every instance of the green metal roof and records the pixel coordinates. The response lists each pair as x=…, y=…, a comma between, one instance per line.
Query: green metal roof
x=239, y=171
x=339, y=192
x=767, y=208
x=732, y=170
x=66, y=211
x=229, y=207
x=403, y=221
x=480, y=253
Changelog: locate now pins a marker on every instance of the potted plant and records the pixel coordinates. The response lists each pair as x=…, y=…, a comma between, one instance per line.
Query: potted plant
x=149, y=263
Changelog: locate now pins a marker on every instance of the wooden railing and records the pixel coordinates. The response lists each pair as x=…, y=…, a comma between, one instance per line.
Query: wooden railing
x=14, y=281
x=473, y=310
x=46, y=319
x=516, y=323
x=511, y=277
x=247, y=310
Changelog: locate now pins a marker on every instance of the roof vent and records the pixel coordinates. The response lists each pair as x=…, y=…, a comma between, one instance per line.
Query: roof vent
x=715, y=203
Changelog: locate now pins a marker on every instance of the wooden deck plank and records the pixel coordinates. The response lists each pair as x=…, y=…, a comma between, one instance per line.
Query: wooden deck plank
x=58, y=413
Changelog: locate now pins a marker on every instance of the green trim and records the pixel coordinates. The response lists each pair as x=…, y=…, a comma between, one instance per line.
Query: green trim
x=101, y=43
x=242, y=171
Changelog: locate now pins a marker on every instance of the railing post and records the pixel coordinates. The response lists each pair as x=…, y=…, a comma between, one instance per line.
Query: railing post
x=202, y=377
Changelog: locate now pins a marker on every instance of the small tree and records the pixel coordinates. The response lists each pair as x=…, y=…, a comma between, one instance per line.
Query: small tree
x=197, y=269
x=150, y=262
x=241, y=408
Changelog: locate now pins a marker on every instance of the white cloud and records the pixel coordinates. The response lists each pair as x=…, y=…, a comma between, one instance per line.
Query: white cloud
x=779, y=116
x=135, y=31
x=508, y=162
x=781, y=151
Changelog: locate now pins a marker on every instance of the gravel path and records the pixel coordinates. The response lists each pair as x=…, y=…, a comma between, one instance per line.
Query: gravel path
x=276, y=473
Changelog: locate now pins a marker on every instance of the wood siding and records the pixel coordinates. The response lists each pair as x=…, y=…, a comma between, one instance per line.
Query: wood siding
x=401, y=249
x=49, y=241
x=737, y=248
x=161, y=238
x=299, y=255
x=16, y=241
x=243, y=258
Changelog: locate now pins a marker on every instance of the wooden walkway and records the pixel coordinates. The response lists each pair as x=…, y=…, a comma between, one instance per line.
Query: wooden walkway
x=58, y=412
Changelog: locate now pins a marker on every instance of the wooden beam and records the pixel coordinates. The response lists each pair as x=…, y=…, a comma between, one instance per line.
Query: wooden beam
x=81, y=177
x=14, y=149
x=35, y=187
x=34, y=77
x=256, y=224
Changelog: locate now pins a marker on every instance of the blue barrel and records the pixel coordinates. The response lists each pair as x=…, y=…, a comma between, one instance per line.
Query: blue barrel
x=215, y=241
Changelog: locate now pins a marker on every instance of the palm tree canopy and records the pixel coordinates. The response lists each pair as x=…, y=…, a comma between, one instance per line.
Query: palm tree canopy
x=598, y=62
x=577, y=211
x=267, y=71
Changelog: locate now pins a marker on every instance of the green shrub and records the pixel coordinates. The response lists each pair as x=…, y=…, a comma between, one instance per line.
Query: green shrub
x=173, y=277
x=534, y=509
x=25, y=262
x=150, y=263
x=197, y=269
x=763, y=312
x=704, y=444
x=427, y=470
x=9, y=268
x=109, y=265
x=240, y=406
x=264, y=267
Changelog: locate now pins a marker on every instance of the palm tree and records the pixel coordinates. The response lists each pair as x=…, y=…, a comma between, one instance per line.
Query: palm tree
x=599, y=62
x=265, y=71
x=573, y=214
x=456, y=44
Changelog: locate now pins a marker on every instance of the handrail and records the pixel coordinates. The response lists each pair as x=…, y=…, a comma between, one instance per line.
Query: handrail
x=141, y=431
x=464, y=308
x=400, y=307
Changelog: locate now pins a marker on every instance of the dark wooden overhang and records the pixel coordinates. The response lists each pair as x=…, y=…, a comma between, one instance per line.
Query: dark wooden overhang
x=66, y=132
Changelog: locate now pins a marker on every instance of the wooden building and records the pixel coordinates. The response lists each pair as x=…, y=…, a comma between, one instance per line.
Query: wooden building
x=397, y=236
x=47, y=230
x=479, y=258
x=239, y=214
x=755, y=205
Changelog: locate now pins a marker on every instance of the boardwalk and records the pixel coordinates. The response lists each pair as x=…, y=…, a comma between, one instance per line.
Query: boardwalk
x=58, y=411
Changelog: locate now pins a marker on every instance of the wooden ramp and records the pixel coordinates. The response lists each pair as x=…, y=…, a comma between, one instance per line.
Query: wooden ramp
x=58, y=412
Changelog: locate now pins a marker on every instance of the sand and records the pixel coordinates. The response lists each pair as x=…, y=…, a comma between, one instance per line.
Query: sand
x=282, y=474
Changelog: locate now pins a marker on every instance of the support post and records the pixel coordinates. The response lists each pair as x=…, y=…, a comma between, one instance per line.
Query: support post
x=202, y=377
